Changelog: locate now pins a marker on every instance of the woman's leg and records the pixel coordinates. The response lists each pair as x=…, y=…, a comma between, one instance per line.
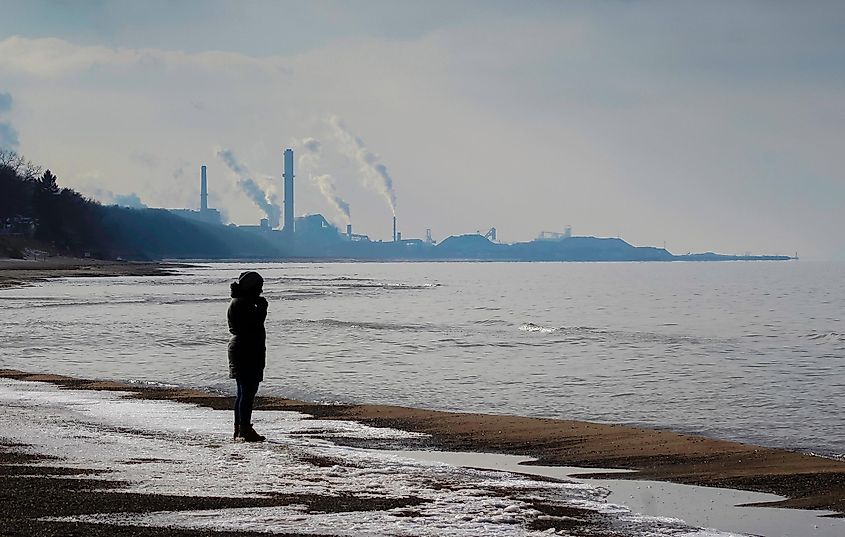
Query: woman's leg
x=250, y=388
x=238, y=402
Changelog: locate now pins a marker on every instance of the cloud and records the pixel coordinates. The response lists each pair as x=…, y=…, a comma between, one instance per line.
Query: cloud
x=311, y=145
x=57, y=58
x=5, y=102
x=8, y=135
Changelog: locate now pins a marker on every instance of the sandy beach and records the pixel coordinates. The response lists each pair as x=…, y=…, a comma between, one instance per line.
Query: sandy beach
x=48, y=492
x=809, y=482
x=15, y=272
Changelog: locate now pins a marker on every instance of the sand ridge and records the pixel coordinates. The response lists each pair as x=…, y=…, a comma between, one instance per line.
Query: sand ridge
x=15, y=272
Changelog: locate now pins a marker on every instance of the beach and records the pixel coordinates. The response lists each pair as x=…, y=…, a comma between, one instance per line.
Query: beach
x=17, y=272
x=808, y=482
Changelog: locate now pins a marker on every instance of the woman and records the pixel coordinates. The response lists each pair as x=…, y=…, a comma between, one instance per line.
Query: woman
x=246, y=315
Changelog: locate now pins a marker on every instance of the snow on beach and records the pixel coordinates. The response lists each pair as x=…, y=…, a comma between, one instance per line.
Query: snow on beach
x=164, y=447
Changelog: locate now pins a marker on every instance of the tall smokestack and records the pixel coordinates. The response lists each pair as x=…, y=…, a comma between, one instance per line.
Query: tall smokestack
x=349, y=231
x=288, y=175
x=203, y=191
x=394, y=229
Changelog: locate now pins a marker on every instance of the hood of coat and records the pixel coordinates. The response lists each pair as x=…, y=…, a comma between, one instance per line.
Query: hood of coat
x=249, y=284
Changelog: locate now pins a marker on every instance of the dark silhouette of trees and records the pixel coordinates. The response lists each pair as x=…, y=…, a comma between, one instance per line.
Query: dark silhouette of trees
x=48, y=183
x=68, y=223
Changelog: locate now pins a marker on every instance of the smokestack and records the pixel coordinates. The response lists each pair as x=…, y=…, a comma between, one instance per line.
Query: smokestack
x=288, y=175
x=203, y=191
x=394, y=229
x=349, y=231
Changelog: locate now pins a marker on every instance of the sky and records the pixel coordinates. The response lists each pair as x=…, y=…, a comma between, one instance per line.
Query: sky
x=704, y=126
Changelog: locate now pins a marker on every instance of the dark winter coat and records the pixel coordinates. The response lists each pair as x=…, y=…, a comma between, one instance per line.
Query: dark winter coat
x=247, y=350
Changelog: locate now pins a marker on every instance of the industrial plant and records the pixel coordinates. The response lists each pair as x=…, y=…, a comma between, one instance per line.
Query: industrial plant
x=313, y=236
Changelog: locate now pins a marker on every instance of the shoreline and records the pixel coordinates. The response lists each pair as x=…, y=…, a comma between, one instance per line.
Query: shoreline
x=19, y=272
x=806, y=481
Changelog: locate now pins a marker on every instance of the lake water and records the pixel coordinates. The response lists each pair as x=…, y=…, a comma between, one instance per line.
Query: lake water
x=745, y=351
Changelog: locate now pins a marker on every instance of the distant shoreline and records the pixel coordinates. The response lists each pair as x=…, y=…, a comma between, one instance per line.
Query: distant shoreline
x=807, y=481
x=18, y=272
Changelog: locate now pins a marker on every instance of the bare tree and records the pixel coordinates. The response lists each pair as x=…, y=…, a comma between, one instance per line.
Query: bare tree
x=30, y=171
x=10, y=159
x=25, y=169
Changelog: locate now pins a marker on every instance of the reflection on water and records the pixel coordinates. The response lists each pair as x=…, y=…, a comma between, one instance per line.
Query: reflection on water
x=748, y=351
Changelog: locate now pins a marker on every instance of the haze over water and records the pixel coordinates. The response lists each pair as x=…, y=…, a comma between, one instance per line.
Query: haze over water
x=745, y=351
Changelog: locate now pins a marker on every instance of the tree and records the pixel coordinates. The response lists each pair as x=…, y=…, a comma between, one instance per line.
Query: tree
x=48, y=182
x=23, y=168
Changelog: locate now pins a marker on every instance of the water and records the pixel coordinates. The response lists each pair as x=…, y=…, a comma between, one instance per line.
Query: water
x=745, y=351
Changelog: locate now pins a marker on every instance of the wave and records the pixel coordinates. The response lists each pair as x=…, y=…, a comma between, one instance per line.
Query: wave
x=389, y=286
x=366, y=325
x=582, y=334
x=531, y=327
x=492, y=322
x=825, y=337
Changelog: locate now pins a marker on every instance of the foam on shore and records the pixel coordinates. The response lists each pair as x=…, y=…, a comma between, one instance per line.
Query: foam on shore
x=165, y=447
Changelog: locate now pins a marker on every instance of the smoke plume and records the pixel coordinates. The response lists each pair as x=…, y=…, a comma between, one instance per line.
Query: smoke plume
x=131, y=200
x=372, y=169
x=266, y=200
x=260, y=198
x=309, y=160
x=228, y=157
x=327, y=189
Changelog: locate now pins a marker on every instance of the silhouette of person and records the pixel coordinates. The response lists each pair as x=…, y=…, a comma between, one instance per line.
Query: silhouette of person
x=247, y=351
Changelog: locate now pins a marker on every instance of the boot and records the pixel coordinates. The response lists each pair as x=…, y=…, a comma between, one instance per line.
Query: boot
x=248, y=434
x=237, y=431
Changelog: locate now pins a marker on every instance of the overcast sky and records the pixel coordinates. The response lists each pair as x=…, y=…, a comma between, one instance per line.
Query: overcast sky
x=705, y=125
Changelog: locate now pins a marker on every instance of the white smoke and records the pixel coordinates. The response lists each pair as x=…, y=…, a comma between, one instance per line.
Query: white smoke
x=265, y=198
x=310, y=161
x=373, y=171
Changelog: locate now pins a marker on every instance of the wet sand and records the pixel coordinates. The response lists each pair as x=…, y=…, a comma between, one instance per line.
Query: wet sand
x=17, y=272
x=808, y=482
x=32, y=492
x=29, y=492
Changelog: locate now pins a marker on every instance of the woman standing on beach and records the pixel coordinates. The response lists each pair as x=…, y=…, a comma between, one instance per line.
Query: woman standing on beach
x=247, y=350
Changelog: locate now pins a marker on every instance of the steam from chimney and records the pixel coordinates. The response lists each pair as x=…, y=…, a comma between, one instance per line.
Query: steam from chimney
x=229, y=158
x=373, y=171
x=309, y=160
x=266, y=200
x=327, y=189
